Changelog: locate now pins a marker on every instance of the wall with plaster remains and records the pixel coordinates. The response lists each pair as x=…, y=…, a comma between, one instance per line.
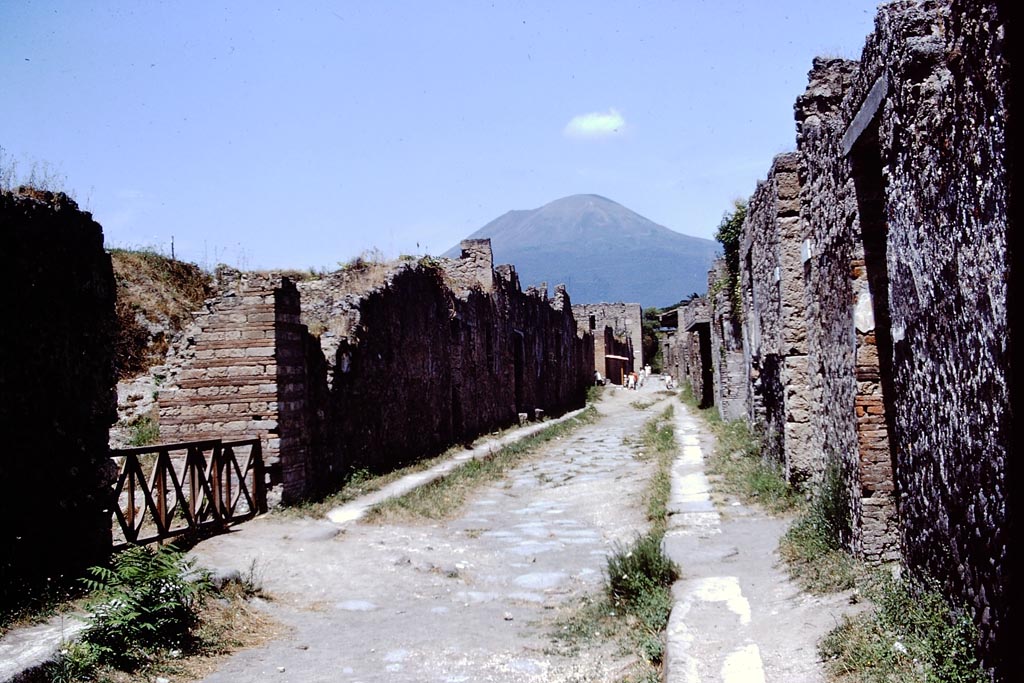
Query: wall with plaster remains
x=57, y=383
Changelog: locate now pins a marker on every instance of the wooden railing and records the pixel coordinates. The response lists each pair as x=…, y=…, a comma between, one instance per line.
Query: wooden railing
x=200, y=485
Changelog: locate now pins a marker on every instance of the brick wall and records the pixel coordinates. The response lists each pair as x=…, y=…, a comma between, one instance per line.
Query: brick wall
x=412, y=357
x=246, y=376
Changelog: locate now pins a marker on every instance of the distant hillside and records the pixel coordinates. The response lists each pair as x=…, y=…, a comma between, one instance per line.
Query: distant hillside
x=601, y=250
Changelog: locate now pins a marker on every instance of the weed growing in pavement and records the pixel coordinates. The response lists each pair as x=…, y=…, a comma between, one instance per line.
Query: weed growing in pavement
x=737, y=466
x=640, y=578
x=640, y=575
x=595, y=393
x=658, y=438
x=443, y=497
x=914, y=634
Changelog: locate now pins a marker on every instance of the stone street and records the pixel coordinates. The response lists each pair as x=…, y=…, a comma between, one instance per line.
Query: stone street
x=476, y=598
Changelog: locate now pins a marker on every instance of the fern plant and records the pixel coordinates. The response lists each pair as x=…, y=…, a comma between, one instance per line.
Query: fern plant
x=150, y=599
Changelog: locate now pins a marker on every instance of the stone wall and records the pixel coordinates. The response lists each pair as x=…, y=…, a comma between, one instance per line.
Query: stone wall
x=774, y=321
x=626, y=322
x=728, y=371
x=246, y=376
x=57, y=383
x=874, y=276
x=936, y=260
x=412, y=357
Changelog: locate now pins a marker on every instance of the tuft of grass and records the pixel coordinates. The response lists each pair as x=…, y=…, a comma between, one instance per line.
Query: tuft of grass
x=739, y=470
x=914, y=634
x=658, y=439
x=443, y=497
x=812, y=546
x=144, y=430
x=640, y=578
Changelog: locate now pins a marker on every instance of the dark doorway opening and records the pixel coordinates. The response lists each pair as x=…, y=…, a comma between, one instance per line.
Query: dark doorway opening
x=869, y=182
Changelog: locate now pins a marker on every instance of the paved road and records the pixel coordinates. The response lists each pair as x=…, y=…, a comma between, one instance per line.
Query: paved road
x=476, y=598
x=473, y=599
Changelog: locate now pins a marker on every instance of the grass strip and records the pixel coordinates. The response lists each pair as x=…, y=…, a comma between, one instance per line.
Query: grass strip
x=635, y=605
x=736, y=467
x=442, y=498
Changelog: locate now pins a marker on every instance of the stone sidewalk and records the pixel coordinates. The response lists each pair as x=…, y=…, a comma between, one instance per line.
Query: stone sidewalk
x=737, y=616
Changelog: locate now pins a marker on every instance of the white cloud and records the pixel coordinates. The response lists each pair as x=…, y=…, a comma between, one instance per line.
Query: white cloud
x=596, y=125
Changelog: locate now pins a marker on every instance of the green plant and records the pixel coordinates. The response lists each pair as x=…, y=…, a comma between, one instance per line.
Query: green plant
x=813, y=544
x=149, y=599
x=75, y=662
x=658, y=439
x=143, y=430
x=730, y=230
x=913, y=634
x=739, y=470
x=640, y=577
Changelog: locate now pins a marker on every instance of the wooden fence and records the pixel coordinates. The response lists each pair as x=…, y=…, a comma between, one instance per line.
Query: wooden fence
x=167, y=490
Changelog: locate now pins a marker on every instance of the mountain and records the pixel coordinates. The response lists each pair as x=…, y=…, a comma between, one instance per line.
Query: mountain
x=600, y=250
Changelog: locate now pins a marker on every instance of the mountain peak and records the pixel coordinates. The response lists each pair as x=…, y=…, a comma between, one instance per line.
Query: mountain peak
x=601, y=250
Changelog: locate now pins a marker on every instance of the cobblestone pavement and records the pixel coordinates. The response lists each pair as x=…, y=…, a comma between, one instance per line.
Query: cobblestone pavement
x=472, y=599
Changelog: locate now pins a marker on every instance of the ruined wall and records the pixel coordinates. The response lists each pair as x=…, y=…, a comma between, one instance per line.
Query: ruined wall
x=422, y=355
x=693, y=348
x=895, y=260
x=57, y=383
x=937, y=277
x=626, y=321
x=774, y=321
x=244, y=366
x=446, y=352
x=728, y=368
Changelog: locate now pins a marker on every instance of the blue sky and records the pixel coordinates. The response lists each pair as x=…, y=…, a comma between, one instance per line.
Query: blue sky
x=299, y=135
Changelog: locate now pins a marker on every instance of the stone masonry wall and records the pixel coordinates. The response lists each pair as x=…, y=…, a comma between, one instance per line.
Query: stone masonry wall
x=57, y=382
x=774, y=321
x=423, y=355
x=875, y=270
x=730, y=379
x=941, y=131
x=626, y=321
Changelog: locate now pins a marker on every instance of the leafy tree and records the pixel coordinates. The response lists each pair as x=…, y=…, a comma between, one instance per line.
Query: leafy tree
x=730, y=229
